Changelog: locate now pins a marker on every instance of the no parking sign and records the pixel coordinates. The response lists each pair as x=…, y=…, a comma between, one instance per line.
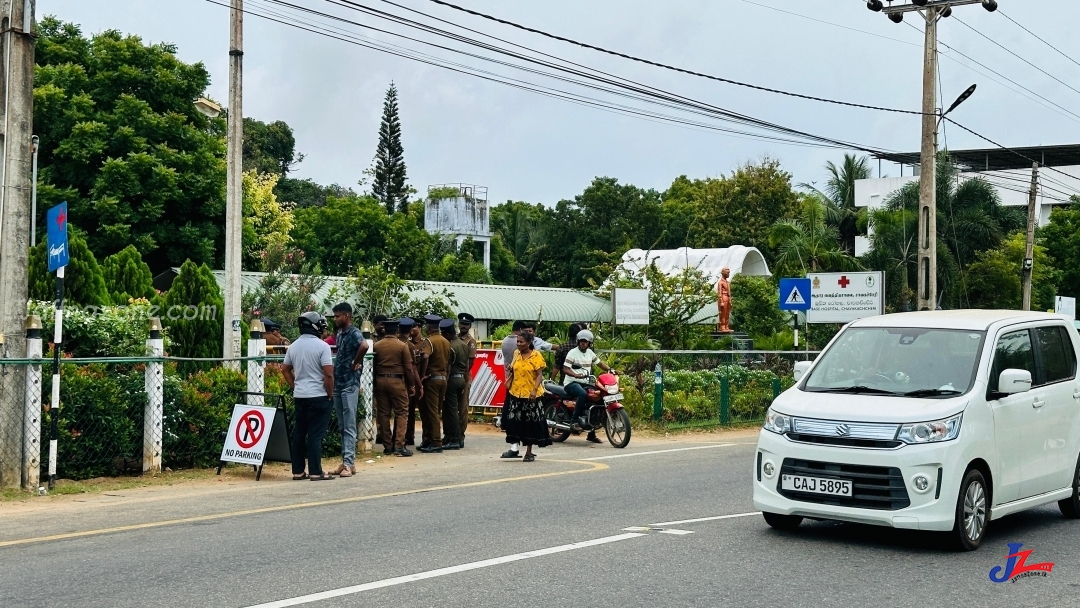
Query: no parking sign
x=248, y=434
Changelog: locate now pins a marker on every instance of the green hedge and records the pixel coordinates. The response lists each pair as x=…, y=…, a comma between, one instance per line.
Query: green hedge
x=694, y=396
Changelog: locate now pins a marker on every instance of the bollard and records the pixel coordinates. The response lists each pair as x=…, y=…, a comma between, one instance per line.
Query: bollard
x=31, y=475
x=658, y=393
x=725, y=401
x=775, y=388
x=153, y=414
x=256, y=366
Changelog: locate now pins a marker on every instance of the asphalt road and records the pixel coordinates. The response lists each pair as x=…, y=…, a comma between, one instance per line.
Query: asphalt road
x=507, y=534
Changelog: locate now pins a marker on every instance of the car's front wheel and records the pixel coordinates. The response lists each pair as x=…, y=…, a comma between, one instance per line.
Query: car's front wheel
x=972, y=512
x=782, y=522
x=1070, y=507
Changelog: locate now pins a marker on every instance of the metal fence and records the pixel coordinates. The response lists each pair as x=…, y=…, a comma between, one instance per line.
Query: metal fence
x=678, y=389
x=122, y=416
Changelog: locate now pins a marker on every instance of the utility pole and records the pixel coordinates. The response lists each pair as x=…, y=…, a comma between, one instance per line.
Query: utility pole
x=16, y=129
x=234, y=187
x=932, y=11
x=1029, y=252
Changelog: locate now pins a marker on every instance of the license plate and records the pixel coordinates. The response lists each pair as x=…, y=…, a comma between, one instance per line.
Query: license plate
x=816, y=485
x=613, y=398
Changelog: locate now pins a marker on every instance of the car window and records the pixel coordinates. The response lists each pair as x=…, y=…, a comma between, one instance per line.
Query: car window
x=1056, y=362
x=1013, y=351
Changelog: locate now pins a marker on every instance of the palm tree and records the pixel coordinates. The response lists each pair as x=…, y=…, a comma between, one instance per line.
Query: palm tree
x=840, y=194
x=524, y=233
x=807, y=243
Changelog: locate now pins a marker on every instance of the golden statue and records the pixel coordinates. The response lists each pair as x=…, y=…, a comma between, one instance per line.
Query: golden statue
x=723, y=301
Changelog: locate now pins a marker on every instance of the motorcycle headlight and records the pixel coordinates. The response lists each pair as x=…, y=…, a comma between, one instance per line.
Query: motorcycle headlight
x=777, y=422
x=614, y=388
x=930, y=432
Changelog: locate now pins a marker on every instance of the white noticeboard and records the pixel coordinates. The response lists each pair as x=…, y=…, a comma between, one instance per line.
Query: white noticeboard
x=1065, y=306
x=631, y=306
x=249, y=432
x=841, y=297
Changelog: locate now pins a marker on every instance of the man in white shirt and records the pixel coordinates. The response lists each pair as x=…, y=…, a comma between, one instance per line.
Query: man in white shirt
x=578, y=369
x=309, y=370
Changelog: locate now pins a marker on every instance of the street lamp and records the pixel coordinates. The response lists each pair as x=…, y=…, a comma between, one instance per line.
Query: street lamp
x=207, y=108
x=932, y=11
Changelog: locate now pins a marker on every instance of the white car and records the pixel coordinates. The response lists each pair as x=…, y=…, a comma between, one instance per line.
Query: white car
x=940, y=420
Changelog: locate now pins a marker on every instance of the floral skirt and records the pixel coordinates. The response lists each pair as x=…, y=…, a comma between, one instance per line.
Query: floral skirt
x=524, y=422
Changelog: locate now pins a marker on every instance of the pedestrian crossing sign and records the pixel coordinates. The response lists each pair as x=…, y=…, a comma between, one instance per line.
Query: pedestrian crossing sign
x=794, y=294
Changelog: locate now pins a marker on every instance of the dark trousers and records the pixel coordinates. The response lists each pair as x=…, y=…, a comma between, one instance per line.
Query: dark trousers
x=431, y=412
x=312, y=418
x=391, y=407
x=577, y=391
x=463, y=411
x=453, y=430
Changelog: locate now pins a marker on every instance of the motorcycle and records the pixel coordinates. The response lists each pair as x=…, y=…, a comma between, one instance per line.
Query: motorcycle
x=605, y=408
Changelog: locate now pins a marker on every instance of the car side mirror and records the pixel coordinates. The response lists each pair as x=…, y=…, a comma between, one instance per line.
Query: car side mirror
x=801, y=367
x=1013, y=381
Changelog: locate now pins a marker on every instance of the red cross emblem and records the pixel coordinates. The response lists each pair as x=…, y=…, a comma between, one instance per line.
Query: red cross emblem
x=60, y=217
x=844, y=282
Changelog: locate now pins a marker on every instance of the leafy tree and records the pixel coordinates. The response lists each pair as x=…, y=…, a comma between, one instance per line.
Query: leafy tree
x=269, y=148
x=503, y=263
x=287, y=289
x=267, y=223
x=410, y=249
x=194, y=293
x=806, y=244
x=1061, y=237
x=83, y=280
x=755, y=308
x=741, y=209
x=123, y=143
x=344, y=234
x=677, y=209
x=840, y=194
x=389, y=176
x=994, y=279
x=381, y=292
x=893, y=251
x=127, y=277
x=306, y=193
x=524, y=231
x=674, y=301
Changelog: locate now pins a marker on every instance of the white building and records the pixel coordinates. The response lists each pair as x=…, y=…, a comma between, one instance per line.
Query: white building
x=1008, y=170
x=463, y=215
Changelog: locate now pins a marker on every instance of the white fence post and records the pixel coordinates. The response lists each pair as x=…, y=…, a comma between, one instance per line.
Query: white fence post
x=367, y=400
x=155, y=400
x=32, y=417
x=256, y=368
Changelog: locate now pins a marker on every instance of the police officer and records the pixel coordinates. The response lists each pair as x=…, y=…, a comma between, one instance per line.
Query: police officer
x=465, y=323
x=420, y=347
x=395, y=380
x=455, y=386
x=434, y=389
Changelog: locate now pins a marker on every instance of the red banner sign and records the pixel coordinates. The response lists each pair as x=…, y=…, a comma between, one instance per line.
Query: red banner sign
x=489, y=377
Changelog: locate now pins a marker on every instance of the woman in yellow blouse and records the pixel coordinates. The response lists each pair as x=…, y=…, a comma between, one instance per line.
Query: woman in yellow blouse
x=523, y=417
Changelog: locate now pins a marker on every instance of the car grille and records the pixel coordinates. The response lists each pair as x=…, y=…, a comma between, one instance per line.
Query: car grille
x=872, y=487
x=848, y=434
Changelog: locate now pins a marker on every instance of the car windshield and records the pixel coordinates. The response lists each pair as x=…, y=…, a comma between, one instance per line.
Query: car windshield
x=899, y=361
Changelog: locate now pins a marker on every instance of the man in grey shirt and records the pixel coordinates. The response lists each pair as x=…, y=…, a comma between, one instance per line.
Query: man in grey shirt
x=309, y=370
x=509, y=343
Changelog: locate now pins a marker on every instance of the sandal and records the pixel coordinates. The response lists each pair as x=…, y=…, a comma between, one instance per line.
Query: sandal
x=345, y=472
x=529, y=458
x=299, y=477
x=323, y=477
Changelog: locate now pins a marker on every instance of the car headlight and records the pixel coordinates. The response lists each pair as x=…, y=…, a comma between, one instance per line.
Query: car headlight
x=930, y=432
x=776, y=422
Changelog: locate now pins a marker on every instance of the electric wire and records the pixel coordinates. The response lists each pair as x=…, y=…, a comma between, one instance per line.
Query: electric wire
x=1039, y=38
x=822, y=21
x=670, y=67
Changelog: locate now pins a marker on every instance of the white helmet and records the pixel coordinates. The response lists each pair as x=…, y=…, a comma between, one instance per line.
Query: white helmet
x=585, y=335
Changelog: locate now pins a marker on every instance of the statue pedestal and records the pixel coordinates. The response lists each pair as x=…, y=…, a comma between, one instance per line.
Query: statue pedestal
x=739, y=340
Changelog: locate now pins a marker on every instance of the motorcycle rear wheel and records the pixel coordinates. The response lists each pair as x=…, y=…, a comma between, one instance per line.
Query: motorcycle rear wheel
x=617, y=428
x=551, y=412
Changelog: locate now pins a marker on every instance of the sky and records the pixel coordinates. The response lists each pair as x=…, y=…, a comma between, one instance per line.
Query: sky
x=534, y=148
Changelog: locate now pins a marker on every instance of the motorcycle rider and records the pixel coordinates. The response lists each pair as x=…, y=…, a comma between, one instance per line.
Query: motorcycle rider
x=578, y=368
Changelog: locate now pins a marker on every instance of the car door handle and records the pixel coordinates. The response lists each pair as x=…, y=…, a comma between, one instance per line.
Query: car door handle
x=1076, y=394
x=1038, y=403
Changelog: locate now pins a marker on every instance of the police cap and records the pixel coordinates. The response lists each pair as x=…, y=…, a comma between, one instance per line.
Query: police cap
x=406, y=323
x=446, y=324
x=432, y=319
x=465, y=318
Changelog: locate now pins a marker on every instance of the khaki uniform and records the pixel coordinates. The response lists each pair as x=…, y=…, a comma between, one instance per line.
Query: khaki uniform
x=435, y=390
x=453, y=428
x=463, y=403
x=419, y=350
x=391, y=396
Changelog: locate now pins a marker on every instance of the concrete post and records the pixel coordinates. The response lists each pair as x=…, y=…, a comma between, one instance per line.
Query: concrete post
x=234, y=178
x=16, y=130
x=367, y=402
x=32, y=416
x=256, y=368
x=154, y=414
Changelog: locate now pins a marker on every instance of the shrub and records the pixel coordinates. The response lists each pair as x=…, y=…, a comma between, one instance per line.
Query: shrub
x=754, y=308
x=197, y=414
x=127, y=276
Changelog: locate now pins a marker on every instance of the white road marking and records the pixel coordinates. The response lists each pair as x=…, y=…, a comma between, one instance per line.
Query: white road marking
x=700, y=447
x=676, y=532
x=694, y=521
x=412, y=578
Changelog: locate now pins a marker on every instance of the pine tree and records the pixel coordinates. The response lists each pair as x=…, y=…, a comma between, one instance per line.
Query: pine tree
x=389, y=183
x=192, y=312
x=127, y=276
x=84, y=283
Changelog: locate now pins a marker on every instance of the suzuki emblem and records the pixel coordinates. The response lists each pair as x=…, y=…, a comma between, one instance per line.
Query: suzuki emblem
x=843, y=430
